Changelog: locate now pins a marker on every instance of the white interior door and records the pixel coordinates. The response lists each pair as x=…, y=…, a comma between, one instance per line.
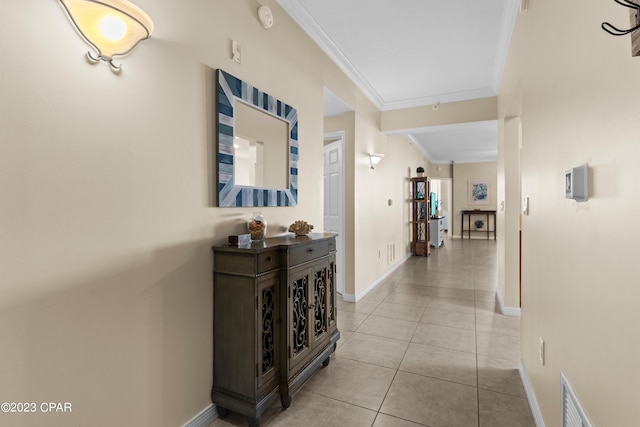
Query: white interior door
x=333, y=199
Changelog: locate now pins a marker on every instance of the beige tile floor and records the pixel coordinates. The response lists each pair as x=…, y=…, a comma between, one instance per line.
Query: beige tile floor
x=425, y=348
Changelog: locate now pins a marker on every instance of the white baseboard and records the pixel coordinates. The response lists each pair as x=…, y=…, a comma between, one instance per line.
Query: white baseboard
x=531, y=396
x=372, y=286
x=204, y=418
x=478, y=237
x=507, y=311
x=348, y=298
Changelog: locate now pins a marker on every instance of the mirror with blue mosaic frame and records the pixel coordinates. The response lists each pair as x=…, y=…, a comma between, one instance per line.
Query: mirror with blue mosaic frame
x=233, y=189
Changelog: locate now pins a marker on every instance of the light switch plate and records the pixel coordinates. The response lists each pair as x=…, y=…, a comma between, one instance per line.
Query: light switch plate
x=525, y=206
x=236, y=51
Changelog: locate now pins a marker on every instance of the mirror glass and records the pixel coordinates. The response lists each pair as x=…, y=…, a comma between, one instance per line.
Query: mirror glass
x=257, y=145
x=261, y=148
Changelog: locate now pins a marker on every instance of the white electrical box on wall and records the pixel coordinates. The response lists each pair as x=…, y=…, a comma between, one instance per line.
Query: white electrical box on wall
x=575, y=183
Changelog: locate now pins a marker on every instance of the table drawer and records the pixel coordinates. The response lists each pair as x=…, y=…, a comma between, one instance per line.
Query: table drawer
x=303, y=253
x=268, y=260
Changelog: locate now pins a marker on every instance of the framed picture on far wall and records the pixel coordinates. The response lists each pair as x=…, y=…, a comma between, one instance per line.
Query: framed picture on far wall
x=479, y=192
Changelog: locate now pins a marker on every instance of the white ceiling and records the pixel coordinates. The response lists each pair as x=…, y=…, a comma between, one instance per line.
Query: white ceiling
x=407, y=53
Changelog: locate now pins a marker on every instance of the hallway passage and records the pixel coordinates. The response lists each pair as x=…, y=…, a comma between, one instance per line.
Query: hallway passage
x=427, y=347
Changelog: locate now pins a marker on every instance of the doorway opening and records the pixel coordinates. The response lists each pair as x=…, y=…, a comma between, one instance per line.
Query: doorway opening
x=334, y=198
x=442, y=187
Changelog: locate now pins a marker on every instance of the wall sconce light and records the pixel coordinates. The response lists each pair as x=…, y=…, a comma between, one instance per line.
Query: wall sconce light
x=111, y=27
x=374, y=159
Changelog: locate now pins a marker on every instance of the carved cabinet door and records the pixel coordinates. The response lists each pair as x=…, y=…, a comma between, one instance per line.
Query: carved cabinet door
x=268, y=307
x=310, y=305
x=299, y=323
x=321, y=303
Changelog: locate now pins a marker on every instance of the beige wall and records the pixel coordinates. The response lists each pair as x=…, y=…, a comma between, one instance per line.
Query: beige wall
x=107, y=189
x=107, y=186
x=580, y=260
x=474, y=110
x=436, y=170
x=462, y=173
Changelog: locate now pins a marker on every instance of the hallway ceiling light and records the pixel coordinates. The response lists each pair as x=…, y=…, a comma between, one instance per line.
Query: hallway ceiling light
x=374, y=159
x=111, y=27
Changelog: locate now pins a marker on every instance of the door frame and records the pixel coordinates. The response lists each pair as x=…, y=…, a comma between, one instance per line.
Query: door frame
x=338, y=138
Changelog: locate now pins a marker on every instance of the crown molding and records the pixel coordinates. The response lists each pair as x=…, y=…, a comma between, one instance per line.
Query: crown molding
x=444, y=98
x=419, y=146
x=300, y=15
x=310, y=26
x=509, y=17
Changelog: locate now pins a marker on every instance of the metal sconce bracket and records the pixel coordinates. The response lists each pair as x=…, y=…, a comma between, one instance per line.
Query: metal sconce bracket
x=634, y=12
x=116, y=68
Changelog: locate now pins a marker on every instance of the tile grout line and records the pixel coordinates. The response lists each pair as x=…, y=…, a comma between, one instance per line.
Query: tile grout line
x=477, y=370
x=394, y=376
x=400, y=364
x=476, y=312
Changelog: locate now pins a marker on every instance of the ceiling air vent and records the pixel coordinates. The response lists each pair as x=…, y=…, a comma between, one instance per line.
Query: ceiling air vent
x=572, y=413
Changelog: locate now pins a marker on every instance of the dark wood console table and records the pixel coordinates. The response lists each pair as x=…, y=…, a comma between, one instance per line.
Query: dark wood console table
x=275, y=320
x=469, y=214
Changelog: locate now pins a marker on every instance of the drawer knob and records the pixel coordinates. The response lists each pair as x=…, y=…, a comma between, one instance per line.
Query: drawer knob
x=269, y=259
x=309, y=250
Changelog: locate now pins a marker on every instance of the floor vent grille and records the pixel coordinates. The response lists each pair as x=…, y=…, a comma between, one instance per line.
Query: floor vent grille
x=572, y=413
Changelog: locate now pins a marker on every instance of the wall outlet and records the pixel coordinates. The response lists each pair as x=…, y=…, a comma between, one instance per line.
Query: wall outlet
x=541, y=355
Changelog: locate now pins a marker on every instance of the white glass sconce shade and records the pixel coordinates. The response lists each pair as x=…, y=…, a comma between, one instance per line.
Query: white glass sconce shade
x=111, y=27
x=374, y=159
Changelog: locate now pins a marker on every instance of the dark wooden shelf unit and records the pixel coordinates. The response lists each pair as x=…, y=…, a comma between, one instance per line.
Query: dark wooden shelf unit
x=420, y=207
